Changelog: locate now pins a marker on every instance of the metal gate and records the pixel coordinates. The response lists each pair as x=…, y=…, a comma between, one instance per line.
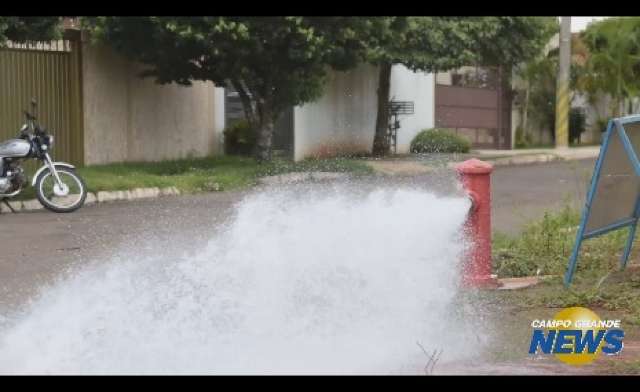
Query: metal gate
x=476, y=105
x=50, y=72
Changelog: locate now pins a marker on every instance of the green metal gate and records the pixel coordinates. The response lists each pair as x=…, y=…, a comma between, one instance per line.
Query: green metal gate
x=50, y=72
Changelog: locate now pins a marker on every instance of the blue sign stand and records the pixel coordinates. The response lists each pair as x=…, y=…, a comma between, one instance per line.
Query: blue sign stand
x=615, y=128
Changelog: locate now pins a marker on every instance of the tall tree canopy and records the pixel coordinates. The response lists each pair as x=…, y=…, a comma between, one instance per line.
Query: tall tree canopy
x=273, y=62
x=436, y=44
x=540, y=84
x=613, y=61
x=29, y=28
x=278, y=62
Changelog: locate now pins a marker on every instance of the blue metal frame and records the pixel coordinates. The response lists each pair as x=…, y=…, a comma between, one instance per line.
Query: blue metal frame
x=629, y=119
x=611, y=227
x=631, y=221
x=568, y=276
x=628, y=147
x=636, y=166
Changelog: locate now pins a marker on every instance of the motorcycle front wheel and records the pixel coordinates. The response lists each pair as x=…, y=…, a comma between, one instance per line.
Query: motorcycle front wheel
x=66, y=198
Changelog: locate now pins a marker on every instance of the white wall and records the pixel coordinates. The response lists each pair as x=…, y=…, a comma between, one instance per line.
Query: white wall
x=127, y=118
x=418, y=87
x=219, y=118
x=343, y=120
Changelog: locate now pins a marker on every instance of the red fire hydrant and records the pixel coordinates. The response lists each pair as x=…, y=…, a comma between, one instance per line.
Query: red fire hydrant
x=476, y=180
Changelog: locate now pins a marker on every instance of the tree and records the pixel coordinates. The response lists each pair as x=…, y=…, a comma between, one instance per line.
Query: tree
x=540, y=79
x=29, y=28
x=273, y=62
x=613, y=62
x=435, y=44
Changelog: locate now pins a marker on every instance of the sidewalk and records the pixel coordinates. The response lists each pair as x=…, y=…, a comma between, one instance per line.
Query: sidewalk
x=418, y=164
x=527, y=156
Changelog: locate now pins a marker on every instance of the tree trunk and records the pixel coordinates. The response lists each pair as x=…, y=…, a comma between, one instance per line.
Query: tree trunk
x=247, y=103
x=264, y=129
x=380, y=144
x=261, y=119
x=265, y=139
x=525, y=115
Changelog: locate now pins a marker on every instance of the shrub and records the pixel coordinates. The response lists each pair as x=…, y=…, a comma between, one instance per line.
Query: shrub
x=439, y=140
x=577, y=124
x=601, y=124
x=544, y=247
x=523, y=139
x=239, y=138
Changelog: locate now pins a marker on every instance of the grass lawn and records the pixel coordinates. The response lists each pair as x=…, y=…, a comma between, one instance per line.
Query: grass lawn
x=615, y=295
x=543, y=248
x=201, y=174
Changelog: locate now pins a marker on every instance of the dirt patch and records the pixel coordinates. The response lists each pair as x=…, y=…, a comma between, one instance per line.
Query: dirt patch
x=511, y=335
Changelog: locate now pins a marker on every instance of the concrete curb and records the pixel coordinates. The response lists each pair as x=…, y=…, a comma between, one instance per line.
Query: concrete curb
x=99, y=197
x=527, y=160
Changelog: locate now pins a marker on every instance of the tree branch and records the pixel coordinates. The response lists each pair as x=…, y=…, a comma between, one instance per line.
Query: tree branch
x=247, y=101
x=433, y=359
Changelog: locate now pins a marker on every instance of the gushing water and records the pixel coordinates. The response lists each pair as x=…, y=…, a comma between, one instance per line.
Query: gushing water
x=297, y=282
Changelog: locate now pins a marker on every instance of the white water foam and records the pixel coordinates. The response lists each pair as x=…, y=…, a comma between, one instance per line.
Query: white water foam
x=299, y=282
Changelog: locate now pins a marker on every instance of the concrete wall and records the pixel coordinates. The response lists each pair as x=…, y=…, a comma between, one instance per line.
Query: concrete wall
x=343, y=120
x=418, y=87
x=219, y=121
x=127, y=118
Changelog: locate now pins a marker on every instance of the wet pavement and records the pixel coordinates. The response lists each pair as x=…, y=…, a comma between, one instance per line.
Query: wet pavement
x=37, y=246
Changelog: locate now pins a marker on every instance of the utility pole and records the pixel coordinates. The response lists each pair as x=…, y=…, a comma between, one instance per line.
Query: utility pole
x=562, y=90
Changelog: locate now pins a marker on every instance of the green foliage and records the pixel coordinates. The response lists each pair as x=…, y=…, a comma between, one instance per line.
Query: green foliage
x=616, y=291
x=544, y=248
x=201, y=174
x=273, y=62
x=523, y=140
x=29, y=28
x=540, y=76
x=278, y=62
x=577, y=124
x=601, y=124
x=441, y=43
x=613, y=63
x=509, y=40
x=433, y=44
x=439, y=141
x=239, y=138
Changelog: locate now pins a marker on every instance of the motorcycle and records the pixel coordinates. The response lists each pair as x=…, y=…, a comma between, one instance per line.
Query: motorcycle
x=58, y=187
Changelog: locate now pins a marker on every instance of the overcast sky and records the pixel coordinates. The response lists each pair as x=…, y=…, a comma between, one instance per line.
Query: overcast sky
x=579, y=23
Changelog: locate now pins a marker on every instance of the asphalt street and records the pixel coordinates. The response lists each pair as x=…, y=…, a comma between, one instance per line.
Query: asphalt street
x=37, y=247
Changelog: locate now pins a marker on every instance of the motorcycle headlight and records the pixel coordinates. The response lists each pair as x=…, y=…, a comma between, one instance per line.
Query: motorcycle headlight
x=50, y=140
